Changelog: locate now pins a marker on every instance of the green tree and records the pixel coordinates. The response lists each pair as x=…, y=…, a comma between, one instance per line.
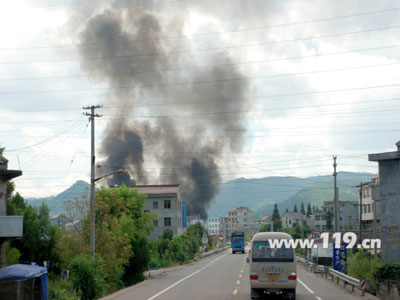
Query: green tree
x=309, y=211
x=329, y=219
x=287, y=210
x=196, y=230
x=122, y=230
x=39, y=239
x=295, y=208
x=16, y=205
x=302, y=210
x=126, y=247
x=295, y=231
x=276, y=219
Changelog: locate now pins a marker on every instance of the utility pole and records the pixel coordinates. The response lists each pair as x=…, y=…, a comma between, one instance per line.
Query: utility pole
x=374, y=199
x=361, y=209
x=92, y=115
x=335, y=193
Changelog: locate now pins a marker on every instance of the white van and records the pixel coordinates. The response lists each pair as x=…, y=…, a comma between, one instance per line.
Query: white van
x=272, y=270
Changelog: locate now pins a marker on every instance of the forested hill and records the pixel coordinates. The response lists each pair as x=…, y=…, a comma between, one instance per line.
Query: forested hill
x=260, y=195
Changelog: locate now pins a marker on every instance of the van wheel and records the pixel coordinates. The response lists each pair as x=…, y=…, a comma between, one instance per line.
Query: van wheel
x=233, y=252
x=255, y=294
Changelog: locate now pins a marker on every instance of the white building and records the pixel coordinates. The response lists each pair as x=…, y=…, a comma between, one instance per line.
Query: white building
x=214, y=226
x=369, y=201
x=241, y=219
x=165, y=202
x=288, y=218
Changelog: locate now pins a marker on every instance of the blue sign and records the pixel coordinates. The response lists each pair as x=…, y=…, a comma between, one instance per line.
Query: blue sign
x=340, y=257
x=184, y=214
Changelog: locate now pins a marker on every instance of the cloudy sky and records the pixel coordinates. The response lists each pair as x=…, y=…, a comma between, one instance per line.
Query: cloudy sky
x=306, y=80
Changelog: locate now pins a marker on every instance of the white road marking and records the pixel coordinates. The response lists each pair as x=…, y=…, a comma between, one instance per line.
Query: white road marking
x=307, y=288
x=318, y=298
x=171, y=286
x=183, y=279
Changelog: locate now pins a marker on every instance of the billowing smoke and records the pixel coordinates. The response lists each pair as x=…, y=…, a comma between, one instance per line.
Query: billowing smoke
x=169, y=118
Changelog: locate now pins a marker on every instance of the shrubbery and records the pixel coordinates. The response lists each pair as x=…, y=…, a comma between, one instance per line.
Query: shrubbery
x=362, y=266
x=389, y=271
x=87, y=274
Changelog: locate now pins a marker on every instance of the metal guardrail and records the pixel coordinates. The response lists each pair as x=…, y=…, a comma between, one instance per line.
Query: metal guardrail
x=354, y=282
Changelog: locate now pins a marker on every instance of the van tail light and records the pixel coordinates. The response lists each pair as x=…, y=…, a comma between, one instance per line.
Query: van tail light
x=292, y=276
x=253, y=276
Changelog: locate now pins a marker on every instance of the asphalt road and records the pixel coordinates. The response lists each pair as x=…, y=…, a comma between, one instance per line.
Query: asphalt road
x=225, y=276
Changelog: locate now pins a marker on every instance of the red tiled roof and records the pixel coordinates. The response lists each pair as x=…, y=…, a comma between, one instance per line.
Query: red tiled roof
x=158, y=189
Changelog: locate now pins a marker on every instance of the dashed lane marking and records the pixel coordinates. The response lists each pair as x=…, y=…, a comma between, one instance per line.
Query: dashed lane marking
x=240, y=275
x=235, y=291
x=307, y=288
x=318, y=298
x=238, y=282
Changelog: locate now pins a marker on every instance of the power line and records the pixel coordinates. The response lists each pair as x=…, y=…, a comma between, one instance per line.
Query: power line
x=210, y=33
x=202, y=50
x=185, y=83
x=44, y=141
x=199, y=67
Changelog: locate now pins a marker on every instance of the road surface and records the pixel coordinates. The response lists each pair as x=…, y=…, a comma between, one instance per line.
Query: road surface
x=225, y=276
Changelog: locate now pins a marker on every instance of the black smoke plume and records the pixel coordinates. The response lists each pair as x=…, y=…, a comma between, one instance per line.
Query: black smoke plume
x=176, y=143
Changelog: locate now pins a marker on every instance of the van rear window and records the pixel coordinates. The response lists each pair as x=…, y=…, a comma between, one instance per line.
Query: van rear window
x=262, y=252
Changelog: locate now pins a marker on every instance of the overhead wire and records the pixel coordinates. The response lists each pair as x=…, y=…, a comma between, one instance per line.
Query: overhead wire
x=212, y=33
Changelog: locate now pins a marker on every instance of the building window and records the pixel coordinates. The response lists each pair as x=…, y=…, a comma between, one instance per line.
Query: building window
x=146, y=211
x=155, y=223
x=155, y=205
x=167, y=204
x=365, y=208
x=369, y=208
x=167, y=222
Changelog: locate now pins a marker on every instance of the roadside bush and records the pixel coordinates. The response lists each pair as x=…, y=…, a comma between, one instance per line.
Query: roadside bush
x=87, y=274
x=61, y=289
x=362, y=266
x=389, y=271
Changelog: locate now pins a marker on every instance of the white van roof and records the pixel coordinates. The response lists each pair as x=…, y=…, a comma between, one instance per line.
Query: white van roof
x=265, y=236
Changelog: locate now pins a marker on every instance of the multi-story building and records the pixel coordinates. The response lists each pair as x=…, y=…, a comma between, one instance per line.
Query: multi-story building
x=10, y=226
x=241, y=219
x=348, y=214
x=165, y=202
x=288, y=218
x=214, y=226
x=319, y=220
x=368, y=201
